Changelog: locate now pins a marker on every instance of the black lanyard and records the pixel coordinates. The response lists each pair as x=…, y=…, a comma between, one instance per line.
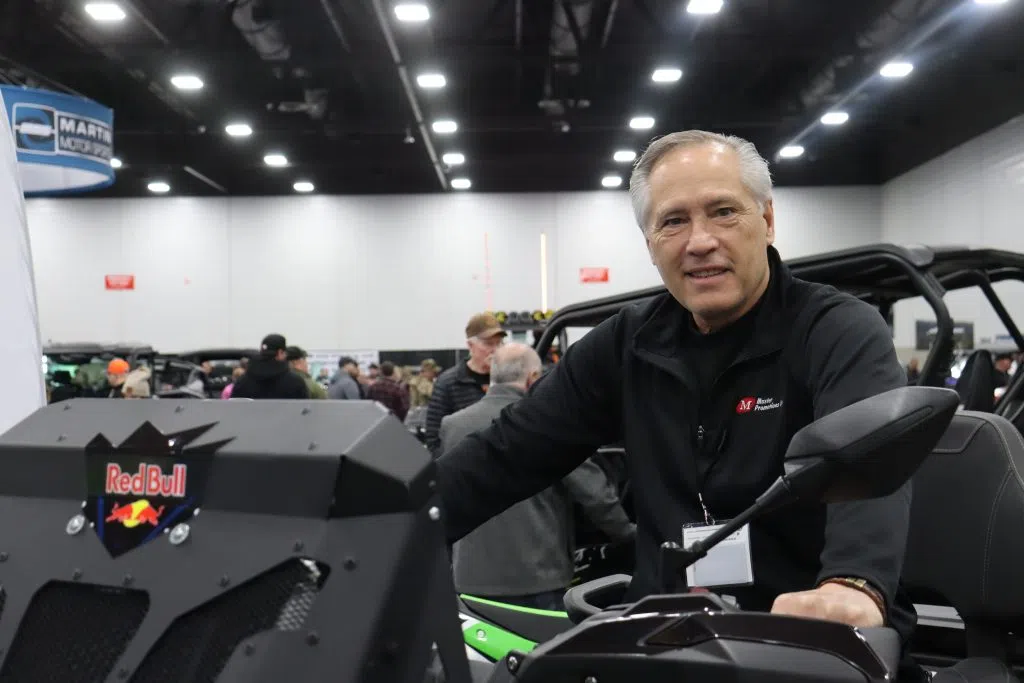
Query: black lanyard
x=708, y=445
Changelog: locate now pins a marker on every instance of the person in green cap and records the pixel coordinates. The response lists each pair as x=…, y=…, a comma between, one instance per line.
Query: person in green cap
x=297, y=360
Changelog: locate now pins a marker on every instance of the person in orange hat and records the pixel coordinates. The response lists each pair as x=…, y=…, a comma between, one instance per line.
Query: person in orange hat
x=117, y=372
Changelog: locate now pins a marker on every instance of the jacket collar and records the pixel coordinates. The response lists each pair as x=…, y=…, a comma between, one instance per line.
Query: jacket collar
x=661, y=334
x=505, y=391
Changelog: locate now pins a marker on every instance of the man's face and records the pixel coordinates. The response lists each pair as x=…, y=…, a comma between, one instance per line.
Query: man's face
x=707, y=235
x=481, y=350
x=301, y=365
x=116, y=379
x=1003, y=364
x=352, y=369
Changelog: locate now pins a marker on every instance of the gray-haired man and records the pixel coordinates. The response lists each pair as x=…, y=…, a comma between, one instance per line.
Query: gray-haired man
x=525, y=554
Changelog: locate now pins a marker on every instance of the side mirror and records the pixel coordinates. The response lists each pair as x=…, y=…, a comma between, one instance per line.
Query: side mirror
x=870, y=448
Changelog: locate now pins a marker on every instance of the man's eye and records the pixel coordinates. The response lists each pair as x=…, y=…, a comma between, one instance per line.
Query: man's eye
x=673, y=221
x=725, y=211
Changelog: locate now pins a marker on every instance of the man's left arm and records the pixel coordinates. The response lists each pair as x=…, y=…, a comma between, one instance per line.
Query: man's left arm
x=850, y=356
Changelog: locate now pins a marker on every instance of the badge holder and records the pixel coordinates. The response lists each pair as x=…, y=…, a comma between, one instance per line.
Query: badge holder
x=730, y=541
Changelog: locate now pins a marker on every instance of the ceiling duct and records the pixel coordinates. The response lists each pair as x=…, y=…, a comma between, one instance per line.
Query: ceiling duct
x=888, y=29
x=256, y=22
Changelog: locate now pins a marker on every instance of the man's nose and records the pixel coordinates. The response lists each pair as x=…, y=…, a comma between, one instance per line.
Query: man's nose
x=701, y=240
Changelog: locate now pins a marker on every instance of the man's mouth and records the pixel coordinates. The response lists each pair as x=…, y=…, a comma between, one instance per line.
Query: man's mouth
x=706, y=273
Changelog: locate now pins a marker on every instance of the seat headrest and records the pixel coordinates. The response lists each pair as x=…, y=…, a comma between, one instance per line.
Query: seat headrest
x=966, y=543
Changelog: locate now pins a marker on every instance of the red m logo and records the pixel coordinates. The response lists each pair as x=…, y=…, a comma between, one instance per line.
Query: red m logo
x=745, y=405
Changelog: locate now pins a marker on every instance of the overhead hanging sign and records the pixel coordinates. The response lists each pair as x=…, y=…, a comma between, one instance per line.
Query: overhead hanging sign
x=64, y=143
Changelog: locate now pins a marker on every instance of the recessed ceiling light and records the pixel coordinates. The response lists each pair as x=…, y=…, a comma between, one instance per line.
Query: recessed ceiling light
x=412, y=11
x=791, y=151
x=666, y=75
x=704, y=6
x=611, y=181
x=238, y=130
x=835, y=118
x=461, y=183
x=187, y=82
x=105, y=11
x=896, y=69
x=445, y=126
x=624, y=156
x=641, y=122
x=159, y=187
x=115, y=162
x=431, y=81
x=454, y=158
x=275, y=160
x=303, y=186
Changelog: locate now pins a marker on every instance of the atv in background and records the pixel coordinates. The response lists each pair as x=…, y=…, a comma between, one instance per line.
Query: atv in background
x=79, y=370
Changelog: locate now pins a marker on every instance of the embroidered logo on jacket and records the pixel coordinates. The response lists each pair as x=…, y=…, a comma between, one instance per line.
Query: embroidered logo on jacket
x=757, y=405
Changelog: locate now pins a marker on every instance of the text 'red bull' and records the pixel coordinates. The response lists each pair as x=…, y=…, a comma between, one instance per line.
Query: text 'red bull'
x=150, y=480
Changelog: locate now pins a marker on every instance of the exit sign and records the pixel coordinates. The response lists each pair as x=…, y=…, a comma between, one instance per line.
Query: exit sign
x=589, y=275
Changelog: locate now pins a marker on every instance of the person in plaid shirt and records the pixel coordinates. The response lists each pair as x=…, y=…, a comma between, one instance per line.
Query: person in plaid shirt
x=388, y=392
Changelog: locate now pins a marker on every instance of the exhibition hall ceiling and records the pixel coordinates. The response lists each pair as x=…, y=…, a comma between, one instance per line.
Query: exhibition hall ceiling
x=267, y=97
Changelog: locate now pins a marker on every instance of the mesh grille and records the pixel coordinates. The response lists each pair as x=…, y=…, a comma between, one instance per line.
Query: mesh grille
x=197, y=645
x=73, y=633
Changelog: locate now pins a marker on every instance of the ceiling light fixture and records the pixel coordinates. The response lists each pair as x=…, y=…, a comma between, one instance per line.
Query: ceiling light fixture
x=431, y=81
x=666, y=75
x=835, y=118
x=445, y=126
x=238, y=130
x=187, y=82
x=454, y=158
x=624, y=156
x=276, y=160
x=105, y=11
x=896, y=69
x=461, y=183
x=159, y=187
x=303, y=186
x=704, y=6
x=115, y=162
x=611, y=181
x=412, y=12
x=641, y=122
x=791, y=151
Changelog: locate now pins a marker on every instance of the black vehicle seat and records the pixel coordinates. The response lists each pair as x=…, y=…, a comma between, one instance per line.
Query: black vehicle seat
x=535, y=625
x=966, y=545
x=976, y=384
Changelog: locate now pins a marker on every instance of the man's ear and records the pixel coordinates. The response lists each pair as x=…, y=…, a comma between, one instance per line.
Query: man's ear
x=769, y=219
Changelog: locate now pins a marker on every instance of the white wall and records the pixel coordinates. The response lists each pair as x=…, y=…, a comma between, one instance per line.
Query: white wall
x=395, y=272
x=972, y=195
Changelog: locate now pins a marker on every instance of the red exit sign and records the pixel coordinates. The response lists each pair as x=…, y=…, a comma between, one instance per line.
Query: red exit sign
x=588, y=275
x=119, y=282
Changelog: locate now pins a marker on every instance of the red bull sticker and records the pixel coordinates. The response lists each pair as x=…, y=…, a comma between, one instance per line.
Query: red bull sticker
x=149, y=480
x=140, y=488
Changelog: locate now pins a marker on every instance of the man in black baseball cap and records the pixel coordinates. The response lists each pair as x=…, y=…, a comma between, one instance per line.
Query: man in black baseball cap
x=269, y=375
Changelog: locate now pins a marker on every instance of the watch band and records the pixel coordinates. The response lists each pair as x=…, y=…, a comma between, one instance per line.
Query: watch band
x=864, y=587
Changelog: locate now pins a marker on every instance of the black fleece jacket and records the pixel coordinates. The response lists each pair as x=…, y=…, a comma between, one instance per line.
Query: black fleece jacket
x=807, y=351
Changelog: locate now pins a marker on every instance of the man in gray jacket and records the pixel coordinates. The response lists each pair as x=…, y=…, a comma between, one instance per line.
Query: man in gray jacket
x=525, y=555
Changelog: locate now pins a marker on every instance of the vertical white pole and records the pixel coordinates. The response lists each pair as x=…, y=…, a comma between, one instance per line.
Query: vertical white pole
x=543, y=271
x=20, y=347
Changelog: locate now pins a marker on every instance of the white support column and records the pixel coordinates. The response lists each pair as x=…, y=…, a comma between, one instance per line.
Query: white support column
x=20, y=348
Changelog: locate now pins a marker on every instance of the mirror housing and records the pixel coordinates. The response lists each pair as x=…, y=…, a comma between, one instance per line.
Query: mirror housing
x=868, y=449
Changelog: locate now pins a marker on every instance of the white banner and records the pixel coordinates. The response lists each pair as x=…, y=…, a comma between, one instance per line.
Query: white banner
x=20, y=347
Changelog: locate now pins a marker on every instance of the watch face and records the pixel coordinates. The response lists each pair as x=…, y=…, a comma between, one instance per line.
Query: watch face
x=140, y=488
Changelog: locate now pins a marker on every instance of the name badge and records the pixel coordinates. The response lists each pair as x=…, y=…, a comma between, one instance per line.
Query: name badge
x=727, y=564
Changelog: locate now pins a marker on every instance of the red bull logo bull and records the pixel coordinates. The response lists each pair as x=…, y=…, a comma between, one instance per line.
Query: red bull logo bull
x=134, y=514
x=149, y=480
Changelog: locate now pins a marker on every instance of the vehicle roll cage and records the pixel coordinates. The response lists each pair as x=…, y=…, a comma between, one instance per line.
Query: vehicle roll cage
x=881, y=274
